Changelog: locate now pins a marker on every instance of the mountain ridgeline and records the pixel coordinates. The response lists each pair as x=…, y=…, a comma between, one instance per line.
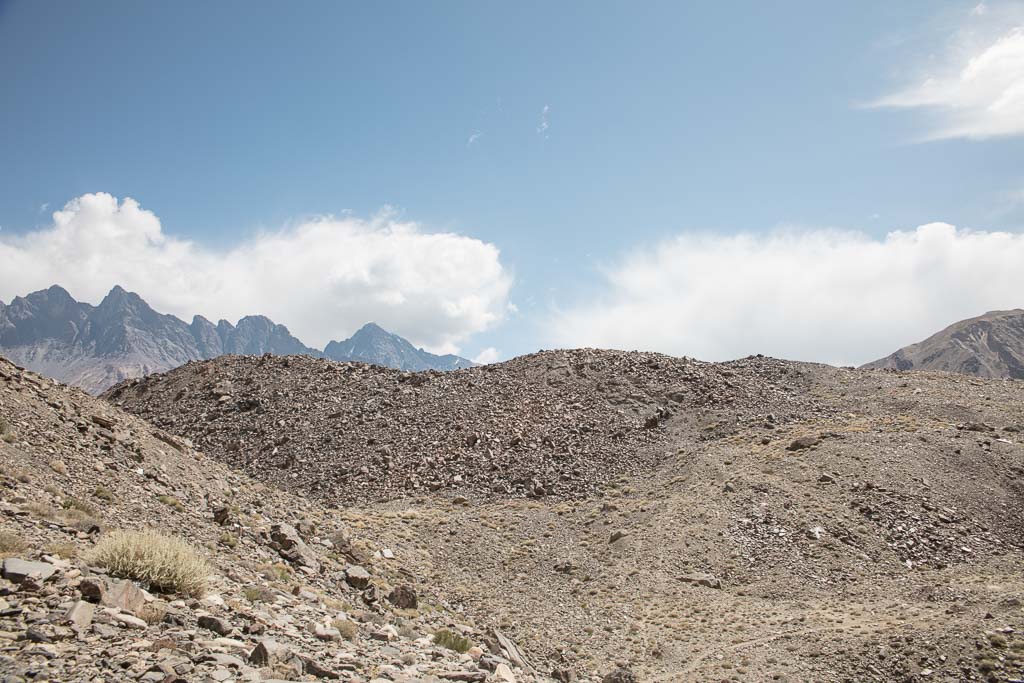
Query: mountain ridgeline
x=990, y=345
x=94, y=347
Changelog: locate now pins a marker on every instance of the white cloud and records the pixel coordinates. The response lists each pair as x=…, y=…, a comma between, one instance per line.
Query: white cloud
x=543, y=126
x=830, y=296
x=977, y=91
x=473, y=137
x=488, y=355
x=322, y=278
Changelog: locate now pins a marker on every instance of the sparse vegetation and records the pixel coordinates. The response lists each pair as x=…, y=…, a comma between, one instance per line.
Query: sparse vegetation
x=72, y=503
x=258, y=594
x=229, y=540
x=346, y=628
x=103, y=493
x=163, y=563
x=65, y=550
x=153, y=612
x=7, y=434
x=452, y=641
x=58, y=466
x=171, y=501
x=11, y=544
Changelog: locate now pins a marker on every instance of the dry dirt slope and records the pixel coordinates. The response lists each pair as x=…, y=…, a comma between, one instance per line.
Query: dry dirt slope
x=294, y=591
x=754, y=520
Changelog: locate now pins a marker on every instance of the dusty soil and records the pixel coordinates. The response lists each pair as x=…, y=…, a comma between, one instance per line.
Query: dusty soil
x=754, y=520
x=757, y=520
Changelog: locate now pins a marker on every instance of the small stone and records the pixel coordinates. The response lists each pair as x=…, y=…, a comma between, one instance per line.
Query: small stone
x=219, y=626
x=92, y=589
x=707, y=580
x=124, y=595
x=357, y=577
x=617, y=535
x=620, y=675
x=129, y=620
x=80, y=614
x=326, y=632
x=268, y=652
x=504, y=673
x=403, y=597
x=803, y=442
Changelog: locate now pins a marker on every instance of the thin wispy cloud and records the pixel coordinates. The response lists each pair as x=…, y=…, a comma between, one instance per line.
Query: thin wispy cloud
x=544, y=125
x=473, y=137
x=322, y=277
x=977, y=90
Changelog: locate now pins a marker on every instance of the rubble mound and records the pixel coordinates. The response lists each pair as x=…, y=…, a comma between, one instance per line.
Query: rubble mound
x=291, y=593
x=560, y=423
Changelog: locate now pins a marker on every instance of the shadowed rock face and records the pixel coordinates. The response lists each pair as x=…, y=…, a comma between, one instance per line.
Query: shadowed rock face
x=991, y=345
x=94, y=347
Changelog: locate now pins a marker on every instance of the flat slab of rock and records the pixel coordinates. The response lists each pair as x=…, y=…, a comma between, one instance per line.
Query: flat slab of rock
x=17, y=570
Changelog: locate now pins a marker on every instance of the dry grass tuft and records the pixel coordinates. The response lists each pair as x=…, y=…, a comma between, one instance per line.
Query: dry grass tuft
x=348, y=629
x=11, y=544
x=165, y=564
x=452, y=641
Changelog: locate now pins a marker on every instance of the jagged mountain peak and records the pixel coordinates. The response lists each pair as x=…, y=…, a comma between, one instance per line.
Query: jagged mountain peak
x=373, y=344
x=95, y=346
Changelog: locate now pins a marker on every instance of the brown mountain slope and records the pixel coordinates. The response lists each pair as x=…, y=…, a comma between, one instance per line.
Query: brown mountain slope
x=991, y=345
x=73, y=467
x=773, y=521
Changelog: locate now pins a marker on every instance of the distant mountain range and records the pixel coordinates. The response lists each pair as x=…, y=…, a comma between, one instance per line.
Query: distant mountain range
x=991, y=345
x=95, y=347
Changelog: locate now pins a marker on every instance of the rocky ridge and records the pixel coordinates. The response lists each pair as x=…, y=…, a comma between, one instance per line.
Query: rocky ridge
x=559, y=423
x=990, y=345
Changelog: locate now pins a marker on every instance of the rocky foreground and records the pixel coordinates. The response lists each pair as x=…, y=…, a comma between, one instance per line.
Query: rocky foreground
x=753, y=520
x=295, y=591
x=583, y=515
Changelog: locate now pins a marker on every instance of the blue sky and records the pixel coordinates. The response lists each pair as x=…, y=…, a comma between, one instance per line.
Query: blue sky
x=581, y=140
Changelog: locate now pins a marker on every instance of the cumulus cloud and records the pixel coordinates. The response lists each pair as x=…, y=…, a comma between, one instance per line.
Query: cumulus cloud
x=820, y=295
x=977, y=91
x=322, y=278
x=488, y=355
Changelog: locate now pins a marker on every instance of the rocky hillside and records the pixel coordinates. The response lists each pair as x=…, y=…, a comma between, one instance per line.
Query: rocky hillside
x=991, y=345
x=553, y=423
x=757, y=520
x=373, y=344
x=94, y=347
x=294, y=590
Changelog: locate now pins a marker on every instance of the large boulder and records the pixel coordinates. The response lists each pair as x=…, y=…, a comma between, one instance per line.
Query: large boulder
x=291, y=546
